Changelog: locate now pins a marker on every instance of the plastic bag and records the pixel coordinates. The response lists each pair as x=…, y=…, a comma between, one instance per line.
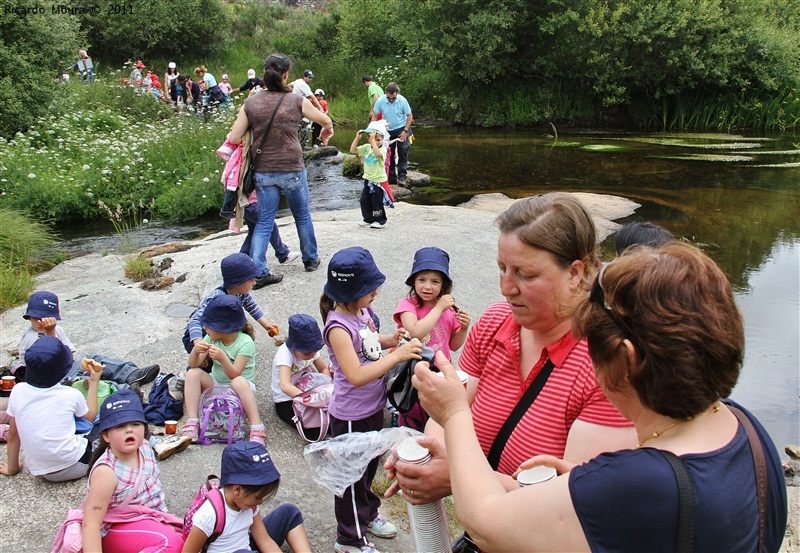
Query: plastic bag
x=337, y=463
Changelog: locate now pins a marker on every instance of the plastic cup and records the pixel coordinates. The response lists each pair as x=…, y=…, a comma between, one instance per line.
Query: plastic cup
x=464, y=377
x=535, y=475
x=170, y=427
x=8, y=382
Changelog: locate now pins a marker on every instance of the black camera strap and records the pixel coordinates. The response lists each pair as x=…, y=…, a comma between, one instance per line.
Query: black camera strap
x=516, y=415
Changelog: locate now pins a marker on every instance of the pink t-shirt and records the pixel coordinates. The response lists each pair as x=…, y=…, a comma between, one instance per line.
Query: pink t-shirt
x=439, y=337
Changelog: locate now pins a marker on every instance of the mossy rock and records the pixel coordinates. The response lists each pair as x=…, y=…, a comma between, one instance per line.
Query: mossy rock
x=352, y=166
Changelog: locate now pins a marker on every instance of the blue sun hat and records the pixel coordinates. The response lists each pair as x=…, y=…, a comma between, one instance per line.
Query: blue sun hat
x=47, y=362
x=42, y=305
x=247, y=464
x=430, y=259
x=237, y=269
x=224, y=313
x=352, y=274
x=304, y=334
x=119, y=408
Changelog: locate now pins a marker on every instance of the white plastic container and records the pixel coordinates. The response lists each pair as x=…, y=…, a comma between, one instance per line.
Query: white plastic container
x=428, y=522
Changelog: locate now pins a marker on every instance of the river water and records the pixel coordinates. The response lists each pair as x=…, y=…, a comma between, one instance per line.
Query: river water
x=737, y=197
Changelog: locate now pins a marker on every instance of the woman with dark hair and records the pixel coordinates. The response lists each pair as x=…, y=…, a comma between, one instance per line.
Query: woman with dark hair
x=546, y=253
x=666, y=340
x=279, y=167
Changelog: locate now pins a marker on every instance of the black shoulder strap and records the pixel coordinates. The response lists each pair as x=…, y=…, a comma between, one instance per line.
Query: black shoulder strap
x=685, y=543
x=266, y=130
x=516, y=415
x=760, y=468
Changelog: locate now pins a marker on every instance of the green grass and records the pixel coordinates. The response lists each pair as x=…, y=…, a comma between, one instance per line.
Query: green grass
x=25, y=248
x=138, y=268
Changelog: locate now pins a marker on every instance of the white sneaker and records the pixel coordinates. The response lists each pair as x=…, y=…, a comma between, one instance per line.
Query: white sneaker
x=369, y=548
x=376, y=224
x=173, y=444
x=291, y=257
x=363, y=224
x=382, y=528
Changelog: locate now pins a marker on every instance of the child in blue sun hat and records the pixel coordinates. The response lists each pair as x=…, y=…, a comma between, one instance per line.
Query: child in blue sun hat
x=298, y=366
x=359, y=368
x=229, y=344
x=248, y=477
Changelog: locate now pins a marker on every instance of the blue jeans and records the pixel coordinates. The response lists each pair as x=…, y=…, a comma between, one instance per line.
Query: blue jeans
x=294, y=185
x=251, y=216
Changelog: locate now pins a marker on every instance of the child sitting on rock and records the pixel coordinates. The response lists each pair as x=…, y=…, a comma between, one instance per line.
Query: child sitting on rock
x=229, y=344
x=43, y=314
x=42, y=416
x=298, y=367
x=248, y=478
x=238, y=278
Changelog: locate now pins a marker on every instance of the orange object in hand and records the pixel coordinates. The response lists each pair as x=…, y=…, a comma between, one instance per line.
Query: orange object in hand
x=273, y=330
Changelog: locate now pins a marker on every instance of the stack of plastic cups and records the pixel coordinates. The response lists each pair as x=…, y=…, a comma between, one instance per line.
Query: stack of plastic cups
x=428, y=522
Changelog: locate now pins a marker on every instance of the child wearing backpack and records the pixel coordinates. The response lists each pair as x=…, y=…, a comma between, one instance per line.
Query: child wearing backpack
x=229, y=344
x=42, y=416
x=429, y=313
x=124, y=510
x=227, y=517
x=238, y=279
x=359, y=391
x=298, y=367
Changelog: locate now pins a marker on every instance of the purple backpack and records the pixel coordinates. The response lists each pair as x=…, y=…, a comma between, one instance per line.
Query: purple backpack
x=221, y=416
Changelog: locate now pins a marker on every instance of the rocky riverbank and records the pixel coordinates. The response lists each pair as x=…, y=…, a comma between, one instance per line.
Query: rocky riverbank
x=103, y=312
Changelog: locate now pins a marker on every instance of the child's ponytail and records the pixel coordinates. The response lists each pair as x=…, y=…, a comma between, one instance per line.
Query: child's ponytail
x=250, y=330
x=326, y=305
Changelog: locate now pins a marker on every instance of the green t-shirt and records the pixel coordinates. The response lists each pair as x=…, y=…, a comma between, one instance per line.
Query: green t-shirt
x=243, y=345
x=374, y=89
x=374, y=167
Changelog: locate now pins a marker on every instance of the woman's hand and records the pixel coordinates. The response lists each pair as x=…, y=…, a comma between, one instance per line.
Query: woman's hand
x=325, y=135
x=440, y=397
x=561, y=466
x=421, y=484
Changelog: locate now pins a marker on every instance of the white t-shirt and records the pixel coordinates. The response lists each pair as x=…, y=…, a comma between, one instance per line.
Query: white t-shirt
x=30, y=336
x=301, y=88
x=45, y=420
x=235, y=535
x=285, y=356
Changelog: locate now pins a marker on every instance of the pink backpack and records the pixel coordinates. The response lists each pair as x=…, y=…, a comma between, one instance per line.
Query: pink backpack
x=221, y=416
x=311, y=407
x=210, y=491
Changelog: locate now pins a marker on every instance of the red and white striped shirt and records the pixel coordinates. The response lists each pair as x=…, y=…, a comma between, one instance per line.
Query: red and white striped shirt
x=492, y=353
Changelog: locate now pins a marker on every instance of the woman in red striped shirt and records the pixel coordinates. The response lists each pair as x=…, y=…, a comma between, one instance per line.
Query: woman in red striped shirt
x=547, y=259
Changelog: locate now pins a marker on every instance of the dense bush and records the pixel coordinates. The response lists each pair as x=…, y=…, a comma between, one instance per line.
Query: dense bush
x=158, y=28
x=31, y=47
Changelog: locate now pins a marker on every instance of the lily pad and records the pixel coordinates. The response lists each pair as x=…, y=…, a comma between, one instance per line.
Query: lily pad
x=705, y=157
x=607, y=148
x=787, y=164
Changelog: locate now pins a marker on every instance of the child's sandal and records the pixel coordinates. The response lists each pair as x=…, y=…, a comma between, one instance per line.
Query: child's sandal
x=258, y=436
x=190, y=429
